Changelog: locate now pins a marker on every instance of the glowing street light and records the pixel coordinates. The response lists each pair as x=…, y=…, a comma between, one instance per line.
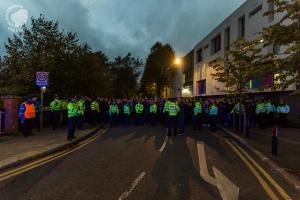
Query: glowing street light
x=177, y=61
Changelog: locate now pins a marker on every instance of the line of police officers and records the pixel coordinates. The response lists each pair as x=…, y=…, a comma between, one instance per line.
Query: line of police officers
x=172, y=113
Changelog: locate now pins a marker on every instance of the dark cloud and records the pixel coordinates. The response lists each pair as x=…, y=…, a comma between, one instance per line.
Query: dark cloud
x=120, y=26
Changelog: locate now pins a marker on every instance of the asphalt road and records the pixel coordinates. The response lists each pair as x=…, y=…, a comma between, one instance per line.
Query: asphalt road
x=132, y=163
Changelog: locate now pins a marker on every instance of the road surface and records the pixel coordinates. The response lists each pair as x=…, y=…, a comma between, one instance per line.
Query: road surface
x=140, y=163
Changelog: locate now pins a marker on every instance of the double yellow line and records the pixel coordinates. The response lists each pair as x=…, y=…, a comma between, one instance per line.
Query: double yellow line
x=259, y=173
x=42, y=161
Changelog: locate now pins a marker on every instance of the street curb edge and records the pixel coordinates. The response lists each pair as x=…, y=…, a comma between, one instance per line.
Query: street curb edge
x=286, y=175
x=51, y=151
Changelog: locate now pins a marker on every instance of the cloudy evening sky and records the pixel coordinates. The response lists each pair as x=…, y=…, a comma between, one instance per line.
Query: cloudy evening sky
x=120, y=26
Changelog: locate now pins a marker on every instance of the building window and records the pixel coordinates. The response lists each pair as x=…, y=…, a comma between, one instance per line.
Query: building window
x=255, y=11
x=199, y=55
x=227, y=38
x=271, y=11
x=241, y=26
x=216, y=44
x=201, y=86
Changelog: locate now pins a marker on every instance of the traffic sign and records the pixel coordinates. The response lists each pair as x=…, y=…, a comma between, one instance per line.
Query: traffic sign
x=42, y=78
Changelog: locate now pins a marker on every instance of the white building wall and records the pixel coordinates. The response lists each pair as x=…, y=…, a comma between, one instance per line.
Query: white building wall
x=253, y=26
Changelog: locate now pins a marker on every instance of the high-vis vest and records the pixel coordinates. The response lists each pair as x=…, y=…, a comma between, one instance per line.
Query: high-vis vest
x=139, y=108
x=268, y=107
x=213, y=110
x=126, y=109
x=113, y=109
x=29, y=112
x=197, y=108
x=81, y=107
x=56, y=105
x=173, y=109
x=283, y=109
x=153, y=108
x=95, y=106
x=166, y=106
x=260, y=108
x=72, y=110
x=238, y=108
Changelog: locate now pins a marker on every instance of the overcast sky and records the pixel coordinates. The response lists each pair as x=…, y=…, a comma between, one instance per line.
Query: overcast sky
x=120, y=26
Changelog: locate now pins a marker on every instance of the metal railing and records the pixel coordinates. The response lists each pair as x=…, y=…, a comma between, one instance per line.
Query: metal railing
x=2, y=117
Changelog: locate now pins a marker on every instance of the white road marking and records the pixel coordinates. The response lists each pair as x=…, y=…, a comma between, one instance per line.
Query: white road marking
x=227, y=189
x=164, y=144
x=203, y=165
x=133, y=186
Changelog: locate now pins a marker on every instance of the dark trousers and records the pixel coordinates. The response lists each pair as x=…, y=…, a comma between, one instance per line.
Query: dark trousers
x=213, y=122
x=94, y=117
x=181, y=122
x=139, y=119
x=153, y=119
x=197, y=121
x=80, y=121
x=27, y=126
x=55, y=119
x=72, y=121
x=282, y=117
x=113, y=119
x=126, y=120
x=172, y=125
x=261, y=120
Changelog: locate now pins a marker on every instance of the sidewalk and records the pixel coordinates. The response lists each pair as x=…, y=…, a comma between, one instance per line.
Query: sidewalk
x=288, y=146
x=15, y=148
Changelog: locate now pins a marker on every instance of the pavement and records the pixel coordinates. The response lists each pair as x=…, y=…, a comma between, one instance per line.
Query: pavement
x=142, y=163
x=16, y=148
x=288, y=147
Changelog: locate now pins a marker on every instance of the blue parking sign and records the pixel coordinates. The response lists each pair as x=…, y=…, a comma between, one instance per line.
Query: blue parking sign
x=42, y=79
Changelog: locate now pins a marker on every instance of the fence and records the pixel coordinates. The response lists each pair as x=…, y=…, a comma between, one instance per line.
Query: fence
x=2, y=118
x=46, y=119
x=241, y=123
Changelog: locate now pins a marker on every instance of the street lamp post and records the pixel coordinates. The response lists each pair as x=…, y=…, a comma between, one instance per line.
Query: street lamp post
x=178, y=90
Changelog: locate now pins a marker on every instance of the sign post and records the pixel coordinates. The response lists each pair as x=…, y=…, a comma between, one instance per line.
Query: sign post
x=42, y=82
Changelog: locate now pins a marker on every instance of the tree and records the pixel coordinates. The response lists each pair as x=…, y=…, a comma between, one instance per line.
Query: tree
x=242, y=67
x=74, y=69
x=159, y=70
x=284, y=33
x=125, y=72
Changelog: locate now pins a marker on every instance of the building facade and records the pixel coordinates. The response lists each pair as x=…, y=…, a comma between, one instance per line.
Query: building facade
x=247, y=21
x=188, y=74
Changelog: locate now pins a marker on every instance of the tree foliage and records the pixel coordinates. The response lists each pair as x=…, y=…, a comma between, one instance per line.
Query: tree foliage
x=284, y=33
x=74, y=69
x=241, y=67
x=125, y=72
x=159, y=70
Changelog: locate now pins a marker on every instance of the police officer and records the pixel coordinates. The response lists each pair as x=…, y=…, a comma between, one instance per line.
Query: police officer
x=113, y=113
x=94, y=111
x=81, y=108
x=139, y=109
x=172, y=110
x=283, y=110
x=196, y=117
x=153, y=112
x=56, y=106
x=27, y=116
x=73, y=113
x=213, y=116
x=126, y=113
x=237, y=113
x=260, y=112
